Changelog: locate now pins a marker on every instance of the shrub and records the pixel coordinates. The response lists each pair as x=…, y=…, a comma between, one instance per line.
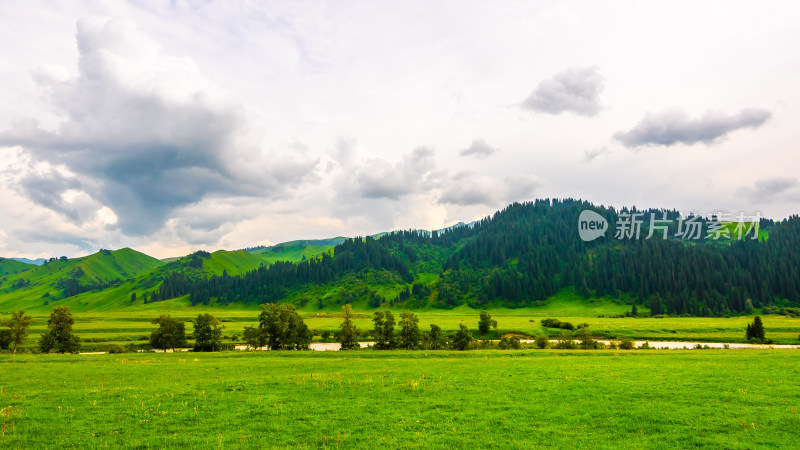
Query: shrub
x=555, y=323
x=542, y=342
x=506, y=343
x=565, y=342
x=5, y=339
x=626, y=344
x=462, y=339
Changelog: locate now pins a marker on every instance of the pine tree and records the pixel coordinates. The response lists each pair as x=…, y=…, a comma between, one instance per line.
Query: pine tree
x=755, y=331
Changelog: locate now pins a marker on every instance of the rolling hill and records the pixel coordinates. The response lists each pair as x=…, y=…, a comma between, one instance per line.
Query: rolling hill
x=11, y=266
x=64, y=278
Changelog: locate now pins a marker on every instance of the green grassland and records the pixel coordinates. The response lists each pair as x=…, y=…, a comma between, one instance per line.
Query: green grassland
x=11, y=267
x=292, y=253
x=370, y=399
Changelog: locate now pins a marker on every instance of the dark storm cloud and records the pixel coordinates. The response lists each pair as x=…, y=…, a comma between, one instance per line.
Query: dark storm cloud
x=676, y=127
x=39, y=187
x=145, y=140
x=479, y=149
x=575, y=90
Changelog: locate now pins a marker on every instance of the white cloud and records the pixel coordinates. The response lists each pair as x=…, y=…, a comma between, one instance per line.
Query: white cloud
x=674, y=126
x=275, y=85
x=479, y=149
x=575, y=90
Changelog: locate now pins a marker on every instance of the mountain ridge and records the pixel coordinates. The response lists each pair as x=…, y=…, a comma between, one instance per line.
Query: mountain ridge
x=520, y=256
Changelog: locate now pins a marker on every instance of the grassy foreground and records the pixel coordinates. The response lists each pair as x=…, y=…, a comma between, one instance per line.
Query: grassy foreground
x=522, y=399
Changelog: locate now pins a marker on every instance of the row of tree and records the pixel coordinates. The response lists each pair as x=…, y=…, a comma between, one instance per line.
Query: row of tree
x=280, y=327
x=171, y=333
x=58, y=337
x=409, y=337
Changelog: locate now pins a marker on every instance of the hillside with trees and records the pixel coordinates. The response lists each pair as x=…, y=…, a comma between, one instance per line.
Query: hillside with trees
x=521, y=256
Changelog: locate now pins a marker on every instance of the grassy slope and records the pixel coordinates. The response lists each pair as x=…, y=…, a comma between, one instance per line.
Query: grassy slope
x=101, y=267
x=234, y=263
x=11, y=267
x=369, y=399
x=292, y=253
x=138, y=273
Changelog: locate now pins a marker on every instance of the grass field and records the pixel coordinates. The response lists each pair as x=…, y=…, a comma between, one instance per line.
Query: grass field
x=132, y=324
x=370, y=399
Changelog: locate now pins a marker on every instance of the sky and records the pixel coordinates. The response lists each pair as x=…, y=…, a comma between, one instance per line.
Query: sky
x=173, y=126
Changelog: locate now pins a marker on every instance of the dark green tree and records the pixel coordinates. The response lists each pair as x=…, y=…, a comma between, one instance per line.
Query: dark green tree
x=348, y=336
x=409, y=336
x=282, y=328
x=207, y=333
x=485, y=323
x=462, y=339
x=437, y=340
x=755, y=331
x=18, y=328
x=170, y=334
x=253, y=337
x=585, y=338
x=384, y=330
x=59, y=335
x=5, y=339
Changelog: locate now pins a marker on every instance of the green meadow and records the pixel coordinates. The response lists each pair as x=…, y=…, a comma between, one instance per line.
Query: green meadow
x=373, y=399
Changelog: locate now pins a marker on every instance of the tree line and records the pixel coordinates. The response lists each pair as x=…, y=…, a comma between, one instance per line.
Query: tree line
x=280, y=327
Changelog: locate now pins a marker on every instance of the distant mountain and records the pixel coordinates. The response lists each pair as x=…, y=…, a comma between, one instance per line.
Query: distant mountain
x=35, y=262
